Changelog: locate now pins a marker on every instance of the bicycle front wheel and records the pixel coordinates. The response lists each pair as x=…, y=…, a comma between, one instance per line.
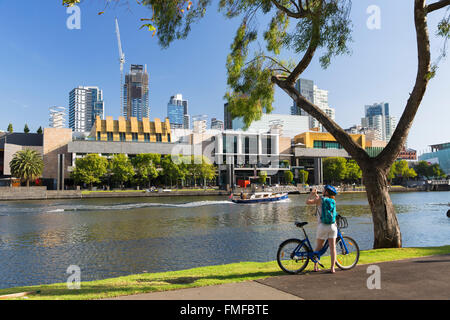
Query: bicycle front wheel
x=346, y=260
x=292, y=256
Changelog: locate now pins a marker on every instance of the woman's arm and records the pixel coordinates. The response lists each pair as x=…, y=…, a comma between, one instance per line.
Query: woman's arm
x=313, y=197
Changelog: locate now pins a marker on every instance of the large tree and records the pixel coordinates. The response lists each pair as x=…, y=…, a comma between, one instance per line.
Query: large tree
x=121, y=169
x=305, y=27
x=89, y=169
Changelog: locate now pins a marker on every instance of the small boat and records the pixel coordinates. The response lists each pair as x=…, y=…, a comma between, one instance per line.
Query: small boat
x=259, y=197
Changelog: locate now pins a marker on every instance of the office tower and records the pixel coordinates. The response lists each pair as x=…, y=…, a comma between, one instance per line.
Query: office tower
x=316, y=96
x=378, y=119
x=199, y=123
x=85, y=104
x=306, y=89
x=217, y=124
x=135, y=93
x=177, y=112
x=57, y=117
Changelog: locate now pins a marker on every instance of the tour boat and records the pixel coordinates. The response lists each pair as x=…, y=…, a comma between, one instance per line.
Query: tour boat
x=259, y=197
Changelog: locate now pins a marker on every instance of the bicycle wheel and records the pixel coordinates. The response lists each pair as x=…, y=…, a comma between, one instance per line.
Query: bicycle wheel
x=346, y=261
x=289, y=258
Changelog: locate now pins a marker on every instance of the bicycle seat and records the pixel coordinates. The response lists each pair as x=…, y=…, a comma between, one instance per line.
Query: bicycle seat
x=301, y=224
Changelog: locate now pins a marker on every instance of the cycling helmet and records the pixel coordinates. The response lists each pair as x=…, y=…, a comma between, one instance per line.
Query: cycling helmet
x=332, y=190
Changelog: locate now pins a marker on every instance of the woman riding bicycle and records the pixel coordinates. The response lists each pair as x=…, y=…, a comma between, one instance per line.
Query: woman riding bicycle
x=325, y=230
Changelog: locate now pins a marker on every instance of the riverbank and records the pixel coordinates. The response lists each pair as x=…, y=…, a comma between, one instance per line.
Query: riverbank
x=198, y=277
x=41, y=193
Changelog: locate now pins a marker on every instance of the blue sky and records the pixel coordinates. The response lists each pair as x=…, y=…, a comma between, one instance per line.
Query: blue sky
x=41, y=61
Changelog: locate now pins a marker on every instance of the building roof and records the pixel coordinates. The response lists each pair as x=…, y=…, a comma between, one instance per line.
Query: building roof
x=22, y=139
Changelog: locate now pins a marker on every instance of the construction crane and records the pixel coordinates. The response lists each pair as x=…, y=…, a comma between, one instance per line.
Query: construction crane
x=122, y=62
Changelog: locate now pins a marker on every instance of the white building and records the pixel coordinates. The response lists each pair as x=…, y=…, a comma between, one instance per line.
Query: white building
x=57, y=117
x=85, y=103
x=291, y=125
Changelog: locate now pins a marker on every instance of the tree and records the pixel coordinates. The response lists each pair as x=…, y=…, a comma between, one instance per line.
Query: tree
x=422, y=169
x=304, y=175
x=262, y=177
x=288, y=176
x=145, y=167
x=27, y=165
x=121, y=169
x=89, y=169
x=171, y=170
x=26, y=129
x=352, y=171
x=39, y=131
x=10, y=128
x=334, y=169
x=319, y=26
x=207, y=170
x=435, y=171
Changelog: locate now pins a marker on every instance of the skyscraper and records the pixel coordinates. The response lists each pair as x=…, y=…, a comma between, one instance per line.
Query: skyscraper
x=85, y=104
x=177, y=112
x=378, y=119
x=316, y=96
x=217, y=124
x=136, y=93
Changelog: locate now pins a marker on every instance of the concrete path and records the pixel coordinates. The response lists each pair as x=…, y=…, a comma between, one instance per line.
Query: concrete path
x=420, y=278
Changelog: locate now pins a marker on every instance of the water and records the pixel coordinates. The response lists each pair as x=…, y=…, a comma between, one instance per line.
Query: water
x=114, y=237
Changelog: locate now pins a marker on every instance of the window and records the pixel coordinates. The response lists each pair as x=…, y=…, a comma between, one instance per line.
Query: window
x=122, y=136
x=147, y=137
x=158, y=137
x=110, y=136
x=99, y=136
x=168, y=138
x=134, y=136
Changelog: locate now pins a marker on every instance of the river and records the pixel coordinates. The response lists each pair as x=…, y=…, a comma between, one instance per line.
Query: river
x=107, y=238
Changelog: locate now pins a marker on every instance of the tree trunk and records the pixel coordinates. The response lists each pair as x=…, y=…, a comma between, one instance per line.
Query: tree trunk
x=386, y=229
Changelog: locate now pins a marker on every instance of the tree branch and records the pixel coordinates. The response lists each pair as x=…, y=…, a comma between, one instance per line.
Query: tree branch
x=292, y=14
x=355, y=150
x=437, y=5
x=389, y=154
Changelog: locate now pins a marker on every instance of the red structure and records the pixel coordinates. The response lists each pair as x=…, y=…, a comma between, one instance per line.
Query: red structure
x=407, y=154
x=243, y=183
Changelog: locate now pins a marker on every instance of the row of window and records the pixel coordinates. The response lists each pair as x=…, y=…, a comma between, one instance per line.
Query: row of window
x=134, y=137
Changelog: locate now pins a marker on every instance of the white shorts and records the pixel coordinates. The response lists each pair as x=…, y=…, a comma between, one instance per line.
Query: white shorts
x=326, y=231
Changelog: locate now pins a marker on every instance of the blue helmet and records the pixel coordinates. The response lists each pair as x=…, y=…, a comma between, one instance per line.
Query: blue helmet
x=332, y=190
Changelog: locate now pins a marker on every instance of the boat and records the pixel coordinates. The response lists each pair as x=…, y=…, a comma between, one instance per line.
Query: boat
x=259, y=197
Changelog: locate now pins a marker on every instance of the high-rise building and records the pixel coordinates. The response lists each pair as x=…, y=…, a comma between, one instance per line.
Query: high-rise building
x=217, y=124
x=199, y=123
x=136, y=93
x=378, y=119
x=177, y=112
x=228, y=120
x=306, y=89
x=316, y=96
x=85, y=104
x=57, y=117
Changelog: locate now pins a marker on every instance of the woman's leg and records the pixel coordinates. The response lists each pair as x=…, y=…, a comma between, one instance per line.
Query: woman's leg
x=332, y=243
x=319, y=245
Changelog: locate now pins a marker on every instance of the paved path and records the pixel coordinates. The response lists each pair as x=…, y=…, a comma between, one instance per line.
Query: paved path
x=420, y=278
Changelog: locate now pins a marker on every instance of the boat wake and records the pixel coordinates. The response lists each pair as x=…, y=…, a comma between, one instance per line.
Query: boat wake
x=128, y=206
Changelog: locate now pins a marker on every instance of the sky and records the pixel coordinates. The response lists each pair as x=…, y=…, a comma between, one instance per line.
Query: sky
x=42, y=60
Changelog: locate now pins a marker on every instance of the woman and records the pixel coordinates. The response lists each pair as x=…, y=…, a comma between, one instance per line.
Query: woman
x=324, y=231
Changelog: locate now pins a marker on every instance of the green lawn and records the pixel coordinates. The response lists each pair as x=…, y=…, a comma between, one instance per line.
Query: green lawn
x=199, y=277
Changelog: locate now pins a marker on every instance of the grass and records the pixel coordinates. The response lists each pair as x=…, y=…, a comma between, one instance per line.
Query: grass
x=199, y=277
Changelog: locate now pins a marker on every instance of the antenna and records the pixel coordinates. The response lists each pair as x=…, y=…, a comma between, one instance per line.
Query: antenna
x=122, y=62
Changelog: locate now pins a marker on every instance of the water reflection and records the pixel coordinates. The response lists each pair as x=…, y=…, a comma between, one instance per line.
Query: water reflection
x=112, y=237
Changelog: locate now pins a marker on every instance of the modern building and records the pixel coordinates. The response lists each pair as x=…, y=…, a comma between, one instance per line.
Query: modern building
x=440, y=154
x=85, y=104
x=227, y=118
x=136, y=93
x=311, y=147
x=217, y=124
x=199, y=123
x=317, y=96
x=131, y=130
x=177, y=112
x=289, y=125
x=378, y=119
x=57, y=117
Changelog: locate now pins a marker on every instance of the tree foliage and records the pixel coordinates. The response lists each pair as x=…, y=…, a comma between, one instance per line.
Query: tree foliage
x=145, y=167
x=121, y=169
x=89, y=169
x=27, y=165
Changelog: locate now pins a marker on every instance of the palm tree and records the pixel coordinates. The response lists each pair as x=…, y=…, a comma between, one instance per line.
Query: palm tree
x=27, y=165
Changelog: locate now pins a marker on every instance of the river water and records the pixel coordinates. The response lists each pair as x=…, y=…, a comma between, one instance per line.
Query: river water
x=106, y=238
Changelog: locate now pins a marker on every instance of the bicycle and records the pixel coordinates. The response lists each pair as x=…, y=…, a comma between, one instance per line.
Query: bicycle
x=294, y=254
